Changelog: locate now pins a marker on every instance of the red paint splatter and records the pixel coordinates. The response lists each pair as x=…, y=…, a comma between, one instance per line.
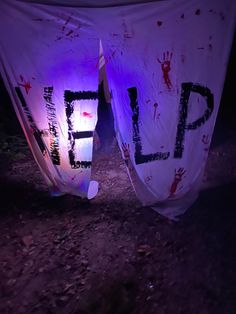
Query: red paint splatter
x=206, y=141
x=210, y=47
x=112, y=56
x=42, y=20
x=66, y=22
x=128, y=35
x=148, y=179
x=69, y=33
x=177, y=179
x=182, y=16
x=148, y=101
x=27, y=86
x=197, y=12
x=32, y=130
x=156, y=115
x=162, y=146
x=159, y=23
x=87, y=114
x=66, y=31
x=166, y=67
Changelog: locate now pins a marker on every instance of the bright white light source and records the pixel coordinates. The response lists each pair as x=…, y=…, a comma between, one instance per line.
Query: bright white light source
x=93, y=189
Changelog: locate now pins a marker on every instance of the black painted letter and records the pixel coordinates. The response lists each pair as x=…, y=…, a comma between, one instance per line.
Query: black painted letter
x=37, y=133
x=187, y=88
x=139, y=157
x=52, y=125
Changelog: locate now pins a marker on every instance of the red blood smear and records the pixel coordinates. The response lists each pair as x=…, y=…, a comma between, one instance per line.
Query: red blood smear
x=87, y=114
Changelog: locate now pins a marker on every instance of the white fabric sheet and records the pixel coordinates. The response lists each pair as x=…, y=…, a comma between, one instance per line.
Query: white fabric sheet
x=166, y=63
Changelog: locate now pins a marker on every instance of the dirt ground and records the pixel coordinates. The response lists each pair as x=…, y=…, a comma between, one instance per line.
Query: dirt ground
x=111, y=255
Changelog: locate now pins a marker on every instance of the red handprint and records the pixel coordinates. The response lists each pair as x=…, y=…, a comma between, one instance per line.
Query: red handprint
x=177, y=179
x=25, y=84
x=165, y=66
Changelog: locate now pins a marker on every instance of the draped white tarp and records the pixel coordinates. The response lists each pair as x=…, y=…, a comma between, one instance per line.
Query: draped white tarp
x=166, y=63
